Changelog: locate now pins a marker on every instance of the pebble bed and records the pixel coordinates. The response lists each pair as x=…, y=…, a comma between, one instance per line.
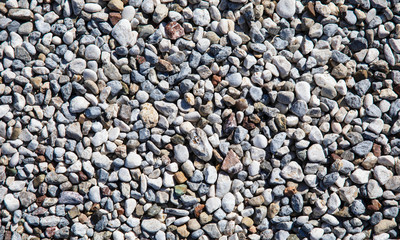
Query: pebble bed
x=190, y=119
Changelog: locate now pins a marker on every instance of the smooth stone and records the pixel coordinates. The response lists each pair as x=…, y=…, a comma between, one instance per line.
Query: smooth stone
x=11, y=203
x=78, y=104
x=286, y=8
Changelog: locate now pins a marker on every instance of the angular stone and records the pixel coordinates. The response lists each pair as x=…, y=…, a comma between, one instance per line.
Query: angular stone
x=231, y=163
x=69, y=197
x=174, y=30
x=122, y=32
x=149, y=115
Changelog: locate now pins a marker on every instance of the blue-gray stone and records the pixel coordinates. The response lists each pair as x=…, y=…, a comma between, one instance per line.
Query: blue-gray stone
x=186, y=85
x=116, y=87
x=373, y=111
x=297, y=202
x=101, y=224
x=172, y=96
x=330, y=179
x=194, y=59
x=184, y=71
x=150, y=56
x=362, y=87
x=394, y=108
x=277, y=142
x=357, y=207
x=363, y=148
x=156, y=95
x=330, y=29
x=358, y=44
x=219, y=52
x=353, y=101
x=391, y=212
x=376, y=217
x=136, y=77
x=240, y=134
x=282, y=235
x=256, y=35
x=299, y=108
x=256, y=93
x=351, y=17
x=280, y=44
x=66, y=91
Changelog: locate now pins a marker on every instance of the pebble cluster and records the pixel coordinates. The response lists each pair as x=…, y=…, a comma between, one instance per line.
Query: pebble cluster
x=190, y=119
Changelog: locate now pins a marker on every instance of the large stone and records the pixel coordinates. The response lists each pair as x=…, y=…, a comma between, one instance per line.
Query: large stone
x=149, y=115
x=133, y=160
x=393, y=184
x=286, y=8
x=122, y=32
x=4, y=109
x=293, y=171
x=111, y=71
x=11, y=203
x=69, y=197
x=200, y=145
x=169, y=110
x=20, y=14
x=77, y=66
x=212, y=230
x=384, y=226
x=223, y=185
x=27, y=198
x=363, y=148
x=283, y=65
x=316, y=154
x=78, y=104
x=151, y=225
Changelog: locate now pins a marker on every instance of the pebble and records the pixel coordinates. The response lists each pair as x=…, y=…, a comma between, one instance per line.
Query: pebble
x=181, y=153
x=122, y=32
x=234, y=80
x=201, y=17
x=316, y=153
x=11, y=203
x=286, y=8
x=293, y=171
x=151, y=225
x=78, y=104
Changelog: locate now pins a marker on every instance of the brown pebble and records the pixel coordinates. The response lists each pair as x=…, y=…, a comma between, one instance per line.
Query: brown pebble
x=375, y=205
x=198, y=209
x=164, y=66
x=180, y=177
x=376, y=149
x=215, y=80
x=231, y=163
x=114, y=17
x=290, y=191
x=83, y=218
x=310, y=7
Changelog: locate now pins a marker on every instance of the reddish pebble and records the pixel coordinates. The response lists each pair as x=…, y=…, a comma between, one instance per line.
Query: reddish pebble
x=174, y=30
x=51, y=231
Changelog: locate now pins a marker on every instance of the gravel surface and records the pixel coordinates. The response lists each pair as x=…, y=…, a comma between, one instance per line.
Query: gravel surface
x=190, y=119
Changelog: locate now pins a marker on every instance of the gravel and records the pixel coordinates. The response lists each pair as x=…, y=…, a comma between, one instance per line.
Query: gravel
x=203, y=120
